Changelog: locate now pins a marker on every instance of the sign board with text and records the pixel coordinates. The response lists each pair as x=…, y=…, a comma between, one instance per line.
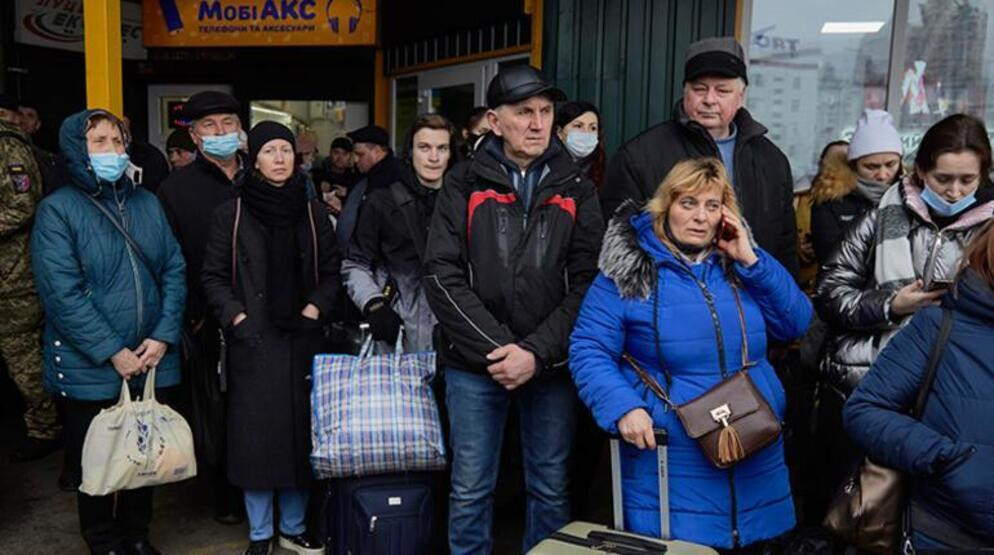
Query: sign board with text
x=59, y=24
x=224, y=23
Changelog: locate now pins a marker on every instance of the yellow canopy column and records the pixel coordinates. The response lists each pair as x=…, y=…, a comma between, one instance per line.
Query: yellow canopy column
x=381, y=92
x=102, y=39
x=535, y=8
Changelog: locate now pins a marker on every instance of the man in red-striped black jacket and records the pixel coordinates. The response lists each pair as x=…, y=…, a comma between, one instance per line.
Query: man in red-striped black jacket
x=512, y=248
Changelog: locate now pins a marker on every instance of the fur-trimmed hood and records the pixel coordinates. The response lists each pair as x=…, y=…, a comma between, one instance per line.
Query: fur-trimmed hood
x=623, y=259
x=835, y=180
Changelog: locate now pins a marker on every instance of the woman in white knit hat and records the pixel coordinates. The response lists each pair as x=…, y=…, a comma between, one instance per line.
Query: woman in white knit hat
x=851, y=183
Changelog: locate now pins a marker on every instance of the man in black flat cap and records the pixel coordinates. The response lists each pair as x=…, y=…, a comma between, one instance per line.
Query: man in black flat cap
x=380, y=168
x=710, y=121
x=511, y=250
x=180, y=149
x=189, y=197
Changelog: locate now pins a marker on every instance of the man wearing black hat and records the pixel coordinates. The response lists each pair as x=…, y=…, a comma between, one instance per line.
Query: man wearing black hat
x=512, y=248
x=189, y=197
x=710, y=121
x=180, y=149
x=380, y=168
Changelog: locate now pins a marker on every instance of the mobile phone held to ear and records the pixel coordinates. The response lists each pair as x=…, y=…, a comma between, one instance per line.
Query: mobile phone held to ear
x=726, y=232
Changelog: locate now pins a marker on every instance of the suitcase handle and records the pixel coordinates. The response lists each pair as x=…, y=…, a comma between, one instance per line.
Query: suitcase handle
x=647, y=546
x=603, y=546
x=662, y=442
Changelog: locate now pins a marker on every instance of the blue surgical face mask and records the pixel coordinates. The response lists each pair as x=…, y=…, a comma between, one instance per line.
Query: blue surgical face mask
x=222, y=147
x=109, y=166
x=942, y=206
x=581, y=143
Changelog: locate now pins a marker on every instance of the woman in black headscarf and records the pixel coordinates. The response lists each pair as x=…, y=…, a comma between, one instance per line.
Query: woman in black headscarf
x=578, y=125
x=271, y=277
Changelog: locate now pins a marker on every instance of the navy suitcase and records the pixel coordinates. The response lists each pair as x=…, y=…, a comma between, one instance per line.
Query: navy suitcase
x=390, y=514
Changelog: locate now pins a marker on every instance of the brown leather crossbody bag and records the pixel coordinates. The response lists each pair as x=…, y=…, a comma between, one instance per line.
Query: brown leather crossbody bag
x=868, y=511
x=732, y=420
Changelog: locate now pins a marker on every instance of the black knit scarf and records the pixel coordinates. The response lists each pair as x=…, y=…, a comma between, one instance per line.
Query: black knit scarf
x=279, y=209
x=274, y=206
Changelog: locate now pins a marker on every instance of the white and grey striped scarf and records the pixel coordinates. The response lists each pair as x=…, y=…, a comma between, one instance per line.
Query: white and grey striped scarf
x=892, y=265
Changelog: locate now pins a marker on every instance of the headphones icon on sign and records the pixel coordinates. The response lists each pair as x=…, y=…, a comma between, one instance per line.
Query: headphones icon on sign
x=336, y=9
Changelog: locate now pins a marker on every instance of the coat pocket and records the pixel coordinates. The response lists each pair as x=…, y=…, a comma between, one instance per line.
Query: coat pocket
x=965, y=489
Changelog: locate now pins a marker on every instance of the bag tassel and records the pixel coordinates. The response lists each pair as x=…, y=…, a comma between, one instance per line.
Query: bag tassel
x=730, y=445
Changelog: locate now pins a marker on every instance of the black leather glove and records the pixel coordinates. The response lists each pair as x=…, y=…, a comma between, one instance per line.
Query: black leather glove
x=384, y=323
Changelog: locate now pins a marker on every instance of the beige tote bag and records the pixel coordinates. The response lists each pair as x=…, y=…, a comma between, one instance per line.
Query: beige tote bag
x=136, y=444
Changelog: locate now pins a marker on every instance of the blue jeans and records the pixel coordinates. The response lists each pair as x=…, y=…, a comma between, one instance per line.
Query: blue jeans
x=477, y=413
x=259, y=507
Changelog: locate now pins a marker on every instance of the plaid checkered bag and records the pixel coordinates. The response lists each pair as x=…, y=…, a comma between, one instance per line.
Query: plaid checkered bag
x=374, y=414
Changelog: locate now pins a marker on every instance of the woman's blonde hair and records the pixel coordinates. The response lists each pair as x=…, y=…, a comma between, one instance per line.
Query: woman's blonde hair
x=690, y=177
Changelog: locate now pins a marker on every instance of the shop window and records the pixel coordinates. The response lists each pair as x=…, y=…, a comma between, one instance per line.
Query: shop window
x=326, y=118
x=946, y=65
x=827, y=59
x=406, y=107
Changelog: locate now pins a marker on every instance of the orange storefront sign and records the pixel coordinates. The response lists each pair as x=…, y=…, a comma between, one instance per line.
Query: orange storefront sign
x=220, y=23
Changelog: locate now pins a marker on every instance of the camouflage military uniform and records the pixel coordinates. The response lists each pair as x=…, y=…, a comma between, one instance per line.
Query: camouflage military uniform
x=20, y=311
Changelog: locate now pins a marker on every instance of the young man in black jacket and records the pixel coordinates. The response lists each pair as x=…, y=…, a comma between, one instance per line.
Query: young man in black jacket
x=382, y=273
x=511, y=251
x=710, y=121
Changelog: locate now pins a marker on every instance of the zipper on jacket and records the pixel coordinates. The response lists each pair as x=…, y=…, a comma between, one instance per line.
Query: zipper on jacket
x=134, y=267
x=503, y=242
x=525, y=209
x=543, y=228
x=933, y=255
x=719, y=337
x=709, y=298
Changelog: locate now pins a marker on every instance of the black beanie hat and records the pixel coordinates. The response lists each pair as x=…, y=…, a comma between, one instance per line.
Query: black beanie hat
x=180, y=138
x=343, y=143
x=264, y=132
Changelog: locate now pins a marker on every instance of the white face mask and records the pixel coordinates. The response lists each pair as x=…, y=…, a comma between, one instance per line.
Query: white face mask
x=581, y=143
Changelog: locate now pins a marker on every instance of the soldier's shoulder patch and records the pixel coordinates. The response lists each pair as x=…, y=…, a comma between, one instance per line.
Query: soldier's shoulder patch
x=19, y=178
